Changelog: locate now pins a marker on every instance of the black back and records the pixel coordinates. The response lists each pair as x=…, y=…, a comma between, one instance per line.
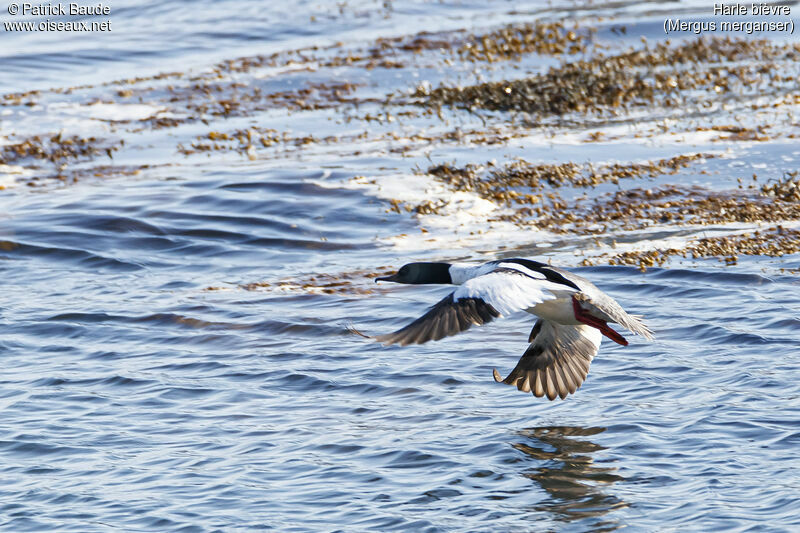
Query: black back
x=549, y=273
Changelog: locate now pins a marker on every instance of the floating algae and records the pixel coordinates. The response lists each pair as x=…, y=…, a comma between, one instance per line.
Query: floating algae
x=775, y=241
x=659, y=75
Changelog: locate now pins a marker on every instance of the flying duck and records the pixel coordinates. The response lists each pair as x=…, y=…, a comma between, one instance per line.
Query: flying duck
x=572, y=313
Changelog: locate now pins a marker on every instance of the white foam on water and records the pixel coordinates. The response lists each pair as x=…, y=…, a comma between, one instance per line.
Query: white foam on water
x=290, y=67
x=70, y=118
x=9, y=174
x=106, y=111
x=462, y=218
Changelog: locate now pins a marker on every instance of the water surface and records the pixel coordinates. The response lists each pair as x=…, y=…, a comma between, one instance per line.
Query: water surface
x=174, y=342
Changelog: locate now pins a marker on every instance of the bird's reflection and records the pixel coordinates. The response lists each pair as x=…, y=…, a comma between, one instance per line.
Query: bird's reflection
x=562, y=460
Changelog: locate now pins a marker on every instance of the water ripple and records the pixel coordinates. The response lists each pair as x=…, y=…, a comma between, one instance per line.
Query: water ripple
x=146, y=388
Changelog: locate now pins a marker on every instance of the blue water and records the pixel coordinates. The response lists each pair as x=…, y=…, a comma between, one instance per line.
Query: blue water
x=170, y=364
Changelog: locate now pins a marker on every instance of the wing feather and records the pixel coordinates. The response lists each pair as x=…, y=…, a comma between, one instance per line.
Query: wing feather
x=552, y=390
x=566, y=379
x=448, y=317
x=557, y=361
x=538, y=391
x=574, y=375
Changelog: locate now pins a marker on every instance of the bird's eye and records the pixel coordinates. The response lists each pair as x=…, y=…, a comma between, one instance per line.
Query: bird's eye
x=403, y=270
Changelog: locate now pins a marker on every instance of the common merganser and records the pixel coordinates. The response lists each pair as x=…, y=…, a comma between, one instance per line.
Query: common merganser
x=572, y=313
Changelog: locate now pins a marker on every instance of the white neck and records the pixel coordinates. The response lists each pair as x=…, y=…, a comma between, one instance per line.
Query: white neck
x=461, y=272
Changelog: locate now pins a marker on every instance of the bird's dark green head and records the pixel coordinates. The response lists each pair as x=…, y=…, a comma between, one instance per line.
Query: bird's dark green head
x=421, y=273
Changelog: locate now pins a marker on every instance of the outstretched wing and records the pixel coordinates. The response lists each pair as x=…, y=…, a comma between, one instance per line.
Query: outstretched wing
x=478, y=301
x=557, y=361
x=446, y=318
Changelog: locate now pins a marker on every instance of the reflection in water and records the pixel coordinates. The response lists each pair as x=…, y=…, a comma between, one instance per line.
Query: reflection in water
x=564, y=467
